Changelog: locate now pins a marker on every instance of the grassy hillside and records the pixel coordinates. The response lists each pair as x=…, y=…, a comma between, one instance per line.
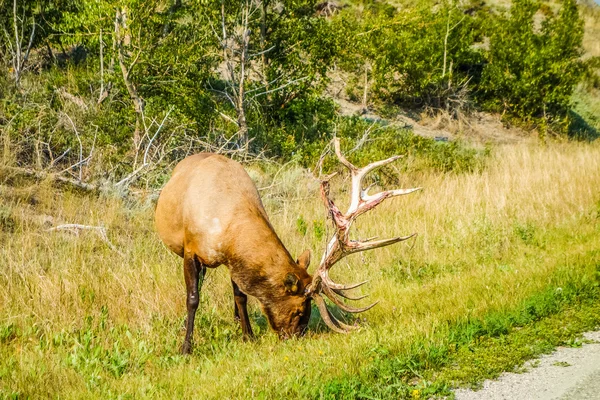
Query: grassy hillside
x=505, y=266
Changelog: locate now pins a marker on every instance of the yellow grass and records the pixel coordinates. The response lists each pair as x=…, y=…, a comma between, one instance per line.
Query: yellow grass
x=487, y=240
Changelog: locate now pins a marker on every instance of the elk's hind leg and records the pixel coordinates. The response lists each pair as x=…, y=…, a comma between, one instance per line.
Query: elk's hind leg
x=241, y=311
x=193, y=272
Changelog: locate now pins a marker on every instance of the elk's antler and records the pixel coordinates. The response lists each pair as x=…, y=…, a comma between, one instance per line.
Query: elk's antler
x=341, y=245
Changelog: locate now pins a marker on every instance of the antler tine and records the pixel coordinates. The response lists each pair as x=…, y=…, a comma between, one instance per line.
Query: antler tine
x=340, y=292
x=350, y=248
x=378, y=164
x=342, y=158
x=332, y=285
x=356, y=246
x=331, y=296
x=385, y=194
x=364, y=170
x=333, y=323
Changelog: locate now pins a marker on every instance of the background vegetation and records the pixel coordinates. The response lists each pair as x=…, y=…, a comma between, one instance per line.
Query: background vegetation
x=99, y=99
x=163, y=78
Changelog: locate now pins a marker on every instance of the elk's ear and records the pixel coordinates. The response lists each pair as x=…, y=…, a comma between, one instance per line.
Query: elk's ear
x=291, y=283
x=304, y=259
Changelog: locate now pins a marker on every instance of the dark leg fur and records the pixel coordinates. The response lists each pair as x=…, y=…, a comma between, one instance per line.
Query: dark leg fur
x=193, y=272
x=241, y=311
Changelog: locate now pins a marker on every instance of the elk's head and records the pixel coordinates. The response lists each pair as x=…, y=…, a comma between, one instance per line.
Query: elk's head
x=289, y=315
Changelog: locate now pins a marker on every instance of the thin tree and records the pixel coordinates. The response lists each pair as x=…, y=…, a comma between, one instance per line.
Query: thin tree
x=15, y=43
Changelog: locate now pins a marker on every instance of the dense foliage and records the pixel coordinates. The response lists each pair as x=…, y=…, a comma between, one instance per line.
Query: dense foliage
x=148, y=81
x=534, y=61
x=421, y=56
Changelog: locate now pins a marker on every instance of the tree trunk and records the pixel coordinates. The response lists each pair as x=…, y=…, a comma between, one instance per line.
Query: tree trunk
x=241, y=95
x=138, y=102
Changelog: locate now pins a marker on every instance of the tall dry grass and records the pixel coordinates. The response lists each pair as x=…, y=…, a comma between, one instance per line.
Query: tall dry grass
x=80, y=320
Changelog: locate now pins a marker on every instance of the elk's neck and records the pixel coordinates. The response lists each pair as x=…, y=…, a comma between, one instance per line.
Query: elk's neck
x=258, y=258
x=260, y=247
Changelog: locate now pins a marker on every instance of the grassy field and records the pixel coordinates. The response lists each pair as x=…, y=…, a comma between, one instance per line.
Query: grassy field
x=506, y=265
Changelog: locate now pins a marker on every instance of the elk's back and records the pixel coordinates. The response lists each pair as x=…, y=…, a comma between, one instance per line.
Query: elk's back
x=207, y=204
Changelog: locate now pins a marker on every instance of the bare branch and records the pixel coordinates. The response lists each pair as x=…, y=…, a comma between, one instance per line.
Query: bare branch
x=228, y=118
x=146, y=161
x=19, y=55
x=41, y=175
x=364, y=138
x=260, y=53
x=17, y=58
x=29, y=44
x=76, y=228
x=103, y=91
x=81, y=161
x=138, y=102
x=282, y=86
x=57, y=159
x=155, y=135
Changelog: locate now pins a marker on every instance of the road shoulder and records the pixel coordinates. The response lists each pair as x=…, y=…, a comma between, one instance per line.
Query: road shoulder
x=569, y=373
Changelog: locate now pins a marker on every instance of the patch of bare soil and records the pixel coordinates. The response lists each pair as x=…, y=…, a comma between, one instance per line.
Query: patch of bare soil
x=478, y=127
x=475, y=127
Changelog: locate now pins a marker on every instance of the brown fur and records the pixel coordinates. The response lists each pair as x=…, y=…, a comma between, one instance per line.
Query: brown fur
x=210, y=213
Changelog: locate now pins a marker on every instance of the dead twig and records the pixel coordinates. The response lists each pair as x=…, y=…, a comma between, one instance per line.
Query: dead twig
x=76, y=228
x=42, y=175
x=146, y=161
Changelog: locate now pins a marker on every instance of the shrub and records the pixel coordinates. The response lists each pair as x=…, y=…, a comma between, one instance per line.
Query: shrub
x=421, y=56
x=420, y=153
x=534, y=63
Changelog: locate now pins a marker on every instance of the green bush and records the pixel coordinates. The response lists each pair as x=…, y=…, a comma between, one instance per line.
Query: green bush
x=420, y=153
x=533, y=63
x=426, y=56
x=420, y=57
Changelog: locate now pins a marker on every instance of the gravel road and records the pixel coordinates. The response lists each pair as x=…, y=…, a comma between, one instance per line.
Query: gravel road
x=566, y=374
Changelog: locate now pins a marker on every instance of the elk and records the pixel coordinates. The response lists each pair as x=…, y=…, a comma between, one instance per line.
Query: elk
x=210, y=214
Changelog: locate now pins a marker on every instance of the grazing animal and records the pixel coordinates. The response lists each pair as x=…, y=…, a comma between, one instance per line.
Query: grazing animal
x=210, y=214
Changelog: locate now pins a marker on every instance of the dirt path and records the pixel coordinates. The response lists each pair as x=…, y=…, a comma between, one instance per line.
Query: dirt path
x=566, y=374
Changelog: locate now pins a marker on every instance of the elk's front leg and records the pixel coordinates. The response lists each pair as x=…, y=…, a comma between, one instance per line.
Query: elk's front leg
x=241, y=311
x=193, y=271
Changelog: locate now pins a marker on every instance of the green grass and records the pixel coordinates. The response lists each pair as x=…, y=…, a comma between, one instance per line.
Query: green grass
x=586, y=112
x=467, y=352
x=505, y=267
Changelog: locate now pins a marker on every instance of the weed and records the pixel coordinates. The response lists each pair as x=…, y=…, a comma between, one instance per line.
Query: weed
x=318, y=230
x=7, y=222
x=526, y=233
x=301, y=225
x=561, y=364
x=8, y=333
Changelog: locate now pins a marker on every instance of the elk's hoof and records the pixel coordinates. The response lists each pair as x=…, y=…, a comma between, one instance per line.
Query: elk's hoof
x=186, y=348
